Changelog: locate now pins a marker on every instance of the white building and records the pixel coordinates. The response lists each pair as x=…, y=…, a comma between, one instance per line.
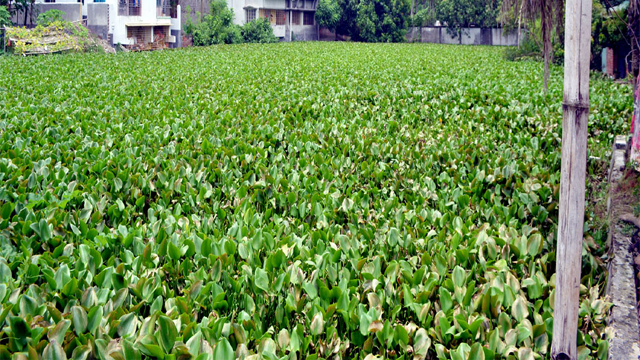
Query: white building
x=290, y=19
x=138, y=24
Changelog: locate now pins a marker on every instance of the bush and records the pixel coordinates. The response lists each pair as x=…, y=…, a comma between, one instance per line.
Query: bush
x=49, y=17
x=217, y=27
x=258, y=31
x=528, y=49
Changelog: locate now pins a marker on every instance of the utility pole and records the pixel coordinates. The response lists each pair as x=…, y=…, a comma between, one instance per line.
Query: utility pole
x=575, y=110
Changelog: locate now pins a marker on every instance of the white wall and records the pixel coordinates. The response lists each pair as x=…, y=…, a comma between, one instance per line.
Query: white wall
x=148, y=16
x=238, y=10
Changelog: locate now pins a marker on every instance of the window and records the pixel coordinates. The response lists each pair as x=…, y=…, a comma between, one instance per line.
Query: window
x=167, y=8
x=138, y=33
x=268, y=14
x=295, y=18
x=250, y=15
x=129, y=7
x=280, y=17
x=308, y=18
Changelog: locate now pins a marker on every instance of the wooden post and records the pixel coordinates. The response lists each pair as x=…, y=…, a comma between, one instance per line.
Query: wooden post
x=572, y=179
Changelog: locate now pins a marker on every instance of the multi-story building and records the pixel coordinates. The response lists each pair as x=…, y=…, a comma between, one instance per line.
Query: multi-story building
x=138, y=24
x=290, y=19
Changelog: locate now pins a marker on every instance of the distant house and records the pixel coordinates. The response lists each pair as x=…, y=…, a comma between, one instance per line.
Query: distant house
x=137, y=24
x=290, y=19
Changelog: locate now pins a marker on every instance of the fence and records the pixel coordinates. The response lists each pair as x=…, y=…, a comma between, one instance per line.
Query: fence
x=470, y=36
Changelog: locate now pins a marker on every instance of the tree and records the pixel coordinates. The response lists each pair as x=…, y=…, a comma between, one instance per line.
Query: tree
x=460, y=14
x=549, y=12
x=328, y=14
x=348, y=14
x=382, y=20
x=5, y=16
x=258, y=31
x=217, y=27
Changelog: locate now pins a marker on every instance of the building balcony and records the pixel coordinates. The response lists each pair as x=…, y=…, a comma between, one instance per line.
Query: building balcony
x=301, y=4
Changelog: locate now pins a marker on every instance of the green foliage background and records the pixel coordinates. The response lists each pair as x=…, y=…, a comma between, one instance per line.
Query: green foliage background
x=288, y=201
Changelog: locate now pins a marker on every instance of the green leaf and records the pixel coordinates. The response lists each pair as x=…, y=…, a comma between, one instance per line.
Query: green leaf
x=262, y=280
x=519, y=308
x=128, y=325
x=446, y=303
x=401, y=336
x=94, y=319
x=19, y=327
x=130, y=353
x=317, y=324
x=58, y=332
x=421, y=343
x=167, y=333
x=394, y=237
x=476, y=353
x=80, y=320
x=53, y=351
x=458, y=276
x=174, y=251
x=223, y=350
x=534, y=245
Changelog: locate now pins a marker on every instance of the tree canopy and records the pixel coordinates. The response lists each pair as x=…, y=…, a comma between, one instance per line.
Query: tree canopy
x=328, y=14
x=459, y=14
x=382, y=20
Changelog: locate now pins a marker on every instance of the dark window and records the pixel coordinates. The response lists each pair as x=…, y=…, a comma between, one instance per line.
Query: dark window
x=129, y=8
x=308, y=18
x=280, y=17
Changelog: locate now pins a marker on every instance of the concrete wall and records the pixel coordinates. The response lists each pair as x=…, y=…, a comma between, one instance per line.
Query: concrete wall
x=72, y=12
x=239, y=14
x=304, y=32
x=98, y=19
x=198, y=6
x=470, y=36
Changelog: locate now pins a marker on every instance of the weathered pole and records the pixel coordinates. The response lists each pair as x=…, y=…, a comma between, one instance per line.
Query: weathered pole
x=575, y=110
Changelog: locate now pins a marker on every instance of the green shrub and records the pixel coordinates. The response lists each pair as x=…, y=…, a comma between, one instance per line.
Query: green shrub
x=48, y=17
x=528, y=49
x=217, y=27
x=258, y=31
